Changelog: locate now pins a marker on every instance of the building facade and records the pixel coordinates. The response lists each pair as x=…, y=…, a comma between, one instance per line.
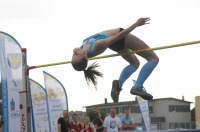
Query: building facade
x=197, y=111
x=165, y=113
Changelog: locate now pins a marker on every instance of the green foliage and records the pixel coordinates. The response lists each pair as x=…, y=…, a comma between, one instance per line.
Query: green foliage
x=91, y=114
x=104, y=113
x=193, y=125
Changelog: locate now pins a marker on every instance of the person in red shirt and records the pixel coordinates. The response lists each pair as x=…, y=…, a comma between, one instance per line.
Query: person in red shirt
x=87, y=126
x=74, y=125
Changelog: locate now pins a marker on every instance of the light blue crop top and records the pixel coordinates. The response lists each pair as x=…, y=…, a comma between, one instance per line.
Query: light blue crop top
x=91, y=40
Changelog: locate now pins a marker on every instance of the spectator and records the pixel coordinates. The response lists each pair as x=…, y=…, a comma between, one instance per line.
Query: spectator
x=87, y=126
x=98, y=120
x=112, y=123
x=74, y=125
x=63, y=122
x=127, y=122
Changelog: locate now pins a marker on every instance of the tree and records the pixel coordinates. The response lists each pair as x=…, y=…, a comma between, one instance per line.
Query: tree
x=91, y=114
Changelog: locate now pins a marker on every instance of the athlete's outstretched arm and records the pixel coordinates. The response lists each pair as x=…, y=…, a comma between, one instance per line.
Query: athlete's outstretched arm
x=101, y=45
x=139, y=22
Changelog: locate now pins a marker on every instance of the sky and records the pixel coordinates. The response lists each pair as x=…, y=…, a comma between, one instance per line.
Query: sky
x=50, y=29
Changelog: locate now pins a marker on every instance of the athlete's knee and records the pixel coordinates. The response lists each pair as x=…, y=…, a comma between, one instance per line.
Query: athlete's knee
x=136, y=65
x=154, y=59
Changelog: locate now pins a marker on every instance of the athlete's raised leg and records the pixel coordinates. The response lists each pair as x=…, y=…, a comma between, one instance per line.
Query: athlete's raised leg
x=134, y=43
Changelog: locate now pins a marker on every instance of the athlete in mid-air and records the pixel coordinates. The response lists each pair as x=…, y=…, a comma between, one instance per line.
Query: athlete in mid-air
x=121, y=41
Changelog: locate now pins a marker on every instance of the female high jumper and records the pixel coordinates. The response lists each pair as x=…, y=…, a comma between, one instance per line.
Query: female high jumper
x=121, y=41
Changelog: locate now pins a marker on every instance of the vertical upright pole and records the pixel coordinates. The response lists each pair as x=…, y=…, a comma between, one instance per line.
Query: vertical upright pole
x=25, y=105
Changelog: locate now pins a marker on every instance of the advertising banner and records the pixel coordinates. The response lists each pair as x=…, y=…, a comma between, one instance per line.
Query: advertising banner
x=144, y=107
x=56, y=99
x=40, y=115
x=11, y=80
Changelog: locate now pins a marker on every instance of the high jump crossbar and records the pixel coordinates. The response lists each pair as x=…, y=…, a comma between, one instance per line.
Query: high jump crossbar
x=113, y=55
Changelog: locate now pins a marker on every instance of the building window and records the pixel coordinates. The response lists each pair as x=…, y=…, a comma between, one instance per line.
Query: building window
x=157, y=119
x=179, y=108
x=150, y=109
x=182, y=125
x=170, y=126
x=188, y=125
x=171, y=108
x=121, y=110
x=176, y=125
x=135, y=109
x=182, y=108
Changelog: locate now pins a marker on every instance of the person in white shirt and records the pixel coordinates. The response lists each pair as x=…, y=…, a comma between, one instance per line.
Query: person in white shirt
x=112, y=123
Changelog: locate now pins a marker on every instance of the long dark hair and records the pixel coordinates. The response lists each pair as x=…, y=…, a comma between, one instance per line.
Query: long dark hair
x=91, y=74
